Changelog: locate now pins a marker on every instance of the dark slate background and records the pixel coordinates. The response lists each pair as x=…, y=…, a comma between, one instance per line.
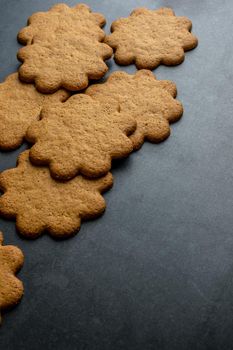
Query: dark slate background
x=156, y=271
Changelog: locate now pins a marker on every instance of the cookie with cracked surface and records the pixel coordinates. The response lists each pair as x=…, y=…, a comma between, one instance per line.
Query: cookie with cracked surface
x=20, y=104
x=80, y=136
x=150, y=101
x=151, y=37
x=64, y=49
x=11, y=288
x=39, y=203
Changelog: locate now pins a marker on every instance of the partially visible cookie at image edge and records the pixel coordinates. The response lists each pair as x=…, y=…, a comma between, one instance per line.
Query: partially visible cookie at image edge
x=21, y=104
x=11, y=288
x=61, y=17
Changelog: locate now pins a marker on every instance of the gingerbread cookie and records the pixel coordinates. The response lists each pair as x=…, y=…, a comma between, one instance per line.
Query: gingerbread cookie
x=150, y=101
x=11, y=288
x=61, y=18
x=39, y=203
x=150, y=37
x=21, y=104
x=80, y=136
x=64, y=48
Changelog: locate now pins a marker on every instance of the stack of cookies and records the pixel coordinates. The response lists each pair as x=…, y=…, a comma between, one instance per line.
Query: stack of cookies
x=74, y=136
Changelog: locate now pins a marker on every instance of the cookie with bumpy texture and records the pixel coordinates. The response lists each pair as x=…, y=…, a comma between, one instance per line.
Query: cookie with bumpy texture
x=80, y=136
x=20, y=104
x=64, y=48
x=39, y=203
x=151, y=37
x=61, y=18
x=11, y=288
x=150, y=101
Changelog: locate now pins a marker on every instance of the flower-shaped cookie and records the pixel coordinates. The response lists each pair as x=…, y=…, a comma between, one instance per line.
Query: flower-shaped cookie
x=61, y=18
x=21, y=104
x=40, y=203
x=64, y=49
x=150, y=101
x=11, y=288
x=80, y=135
x=150, y=37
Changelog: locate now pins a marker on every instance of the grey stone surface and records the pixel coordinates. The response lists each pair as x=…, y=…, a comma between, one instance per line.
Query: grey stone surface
x=156, y=271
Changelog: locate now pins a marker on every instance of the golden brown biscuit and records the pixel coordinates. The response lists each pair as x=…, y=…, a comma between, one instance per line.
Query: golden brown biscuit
x=40, y=203
x=21, y=104
x=11, y=288
x=150, y=37
x=64, y=48
x=80, y=136
x=61, y=18
x=151, y=102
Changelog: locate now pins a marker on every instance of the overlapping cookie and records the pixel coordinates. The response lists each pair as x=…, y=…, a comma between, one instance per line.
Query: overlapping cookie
x=20, y=104
x=150, y=101
x=150, y=37
x=11, y=288
x=64, y=48
x=39, y=203
x=80, y=136
x=62, y=18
